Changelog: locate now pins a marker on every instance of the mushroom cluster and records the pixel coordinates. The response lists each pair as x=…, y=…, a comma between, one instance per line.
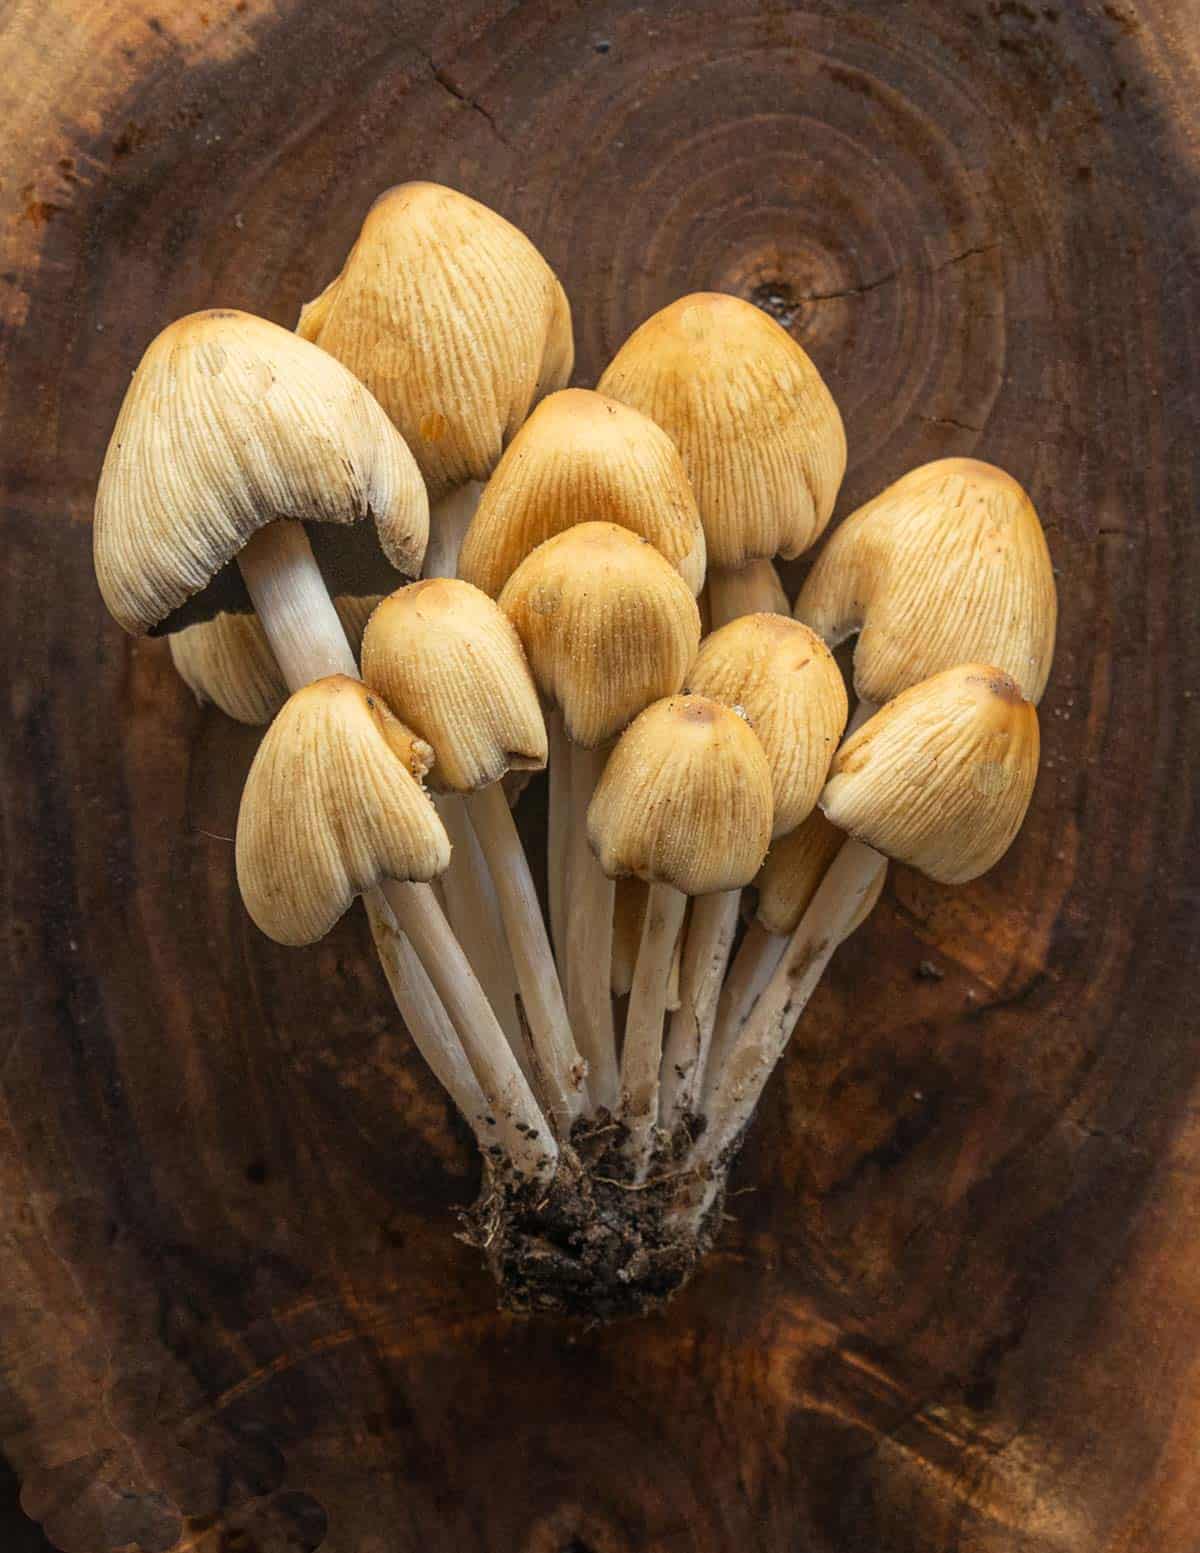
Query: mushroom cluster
x=400, y=540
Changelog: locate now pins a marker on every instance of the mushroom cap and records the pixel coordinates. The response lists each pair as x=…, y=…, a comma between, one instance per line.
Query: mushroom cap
x=753, y=589
x=761, y=437
x=453, y=320
x=608, y=625
x=229, y=424
x=684, y=799
x=794, y=868
x=581, y=457
x=333, y=805
x=784, y=678
x=941, y=777
x=228, y=661
x=450, y=662
x=948, y=565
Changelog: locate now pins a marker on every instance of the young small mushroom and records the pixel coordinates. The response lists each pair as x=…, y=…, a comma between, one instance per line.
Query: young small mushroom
x=753, y=589
x=684, y=803
x=784, y=678
x=760, y=435
x=940, y=779
x=333, y=808
x=458, y=326
x=444, y=654
x=608, y=626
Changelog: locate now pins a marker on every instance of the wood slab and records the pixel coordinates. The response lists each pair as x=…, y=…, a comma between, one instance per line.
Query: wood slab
x=958, y=1306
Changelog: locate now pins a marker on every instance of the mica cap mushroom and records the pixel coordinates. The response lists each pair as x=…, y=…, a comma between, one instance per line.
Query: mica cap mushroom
x=941, y=777
x=453, y=320
x=581, y=457
x=760, y=435
x=333, y=805
x=946, y=566
x=229, y=424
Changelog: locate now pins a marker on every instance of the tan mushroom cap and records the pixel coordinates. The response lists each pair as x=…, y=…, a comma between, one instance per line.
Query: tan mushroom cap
x=948, y=565
x=761, y=437
x=450, y=662
x=942, y=776
x=453, y=320
x=583, y=458
x=332, y=806
x=794, y=868
x=784, y=678
x=228, y=661
x=607, y=623
x=685, y=799
x=229, y=424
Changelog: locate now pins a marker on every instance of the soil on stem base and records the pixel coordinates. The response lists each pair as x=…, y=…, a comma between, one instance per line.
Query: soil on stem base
x=595, y=1244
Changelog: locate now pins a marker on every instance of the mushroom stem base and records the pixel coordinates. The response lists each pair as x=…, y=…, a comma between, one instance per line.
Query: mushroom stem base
x=595, y=1245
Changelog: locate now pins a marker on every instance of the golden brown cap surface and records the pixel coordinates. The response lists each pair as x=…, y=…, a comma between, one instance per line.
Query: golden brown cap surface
x=949, y=565
x=941, y=777
x=784, y=678
x=685, y=799
x=607, y=623
x=583, y=458
x=761, y=437
x=449, y=661
x=333, y=805
x=453, y=320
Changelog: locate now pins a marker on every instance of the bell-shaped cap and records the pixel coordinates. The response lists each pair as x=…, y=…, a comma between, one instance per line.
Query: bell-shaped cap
x=761, y=437
x=941, y=777
x=784, y=678
x=684, y=799
x=583, y=458
x=229, y=424
x=607, y=623
x=949, y=565
x=453, y=320
x=228, y=661
x=448, y=660
x=333, y=805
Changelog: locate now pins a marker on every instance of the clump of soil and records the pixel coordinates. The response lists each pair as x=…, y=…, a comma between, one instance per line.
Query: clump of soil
x=595, y=1244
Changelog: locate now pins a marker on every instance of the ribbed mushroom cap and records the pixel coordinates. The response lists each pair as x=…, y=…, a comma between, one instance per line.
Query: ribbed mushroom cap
x=608, y=626
x=453, y=320
x=449, y=661
x=794, y=868
x=949, y=565
x=753, y=589
x=228, y=660
x=941, y=777
x=761, y=437
x=784, y=678
x=581, y=458
x=684, y=799
x=230, y=423
x=333, y=805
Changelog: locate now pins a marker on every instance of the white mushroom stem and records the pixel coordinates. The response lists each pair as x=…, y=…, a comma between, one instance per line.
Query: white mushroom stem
x=309, y=642
x=710, y=938
x=449, y=520
x=851, y=878
x=558, y=838
x=589, y=942
x=561, y=1070
x=641, y=1057
x=474, y=914
x=752, y=968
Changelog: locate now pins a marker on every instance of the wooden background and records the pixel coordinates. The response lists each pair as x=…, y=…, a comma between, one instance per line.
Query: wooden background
x=959, y=1308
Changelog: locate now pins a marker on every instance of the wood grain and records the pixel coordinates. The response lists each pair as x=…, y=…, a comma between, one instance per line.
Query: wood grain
x=959, y=1305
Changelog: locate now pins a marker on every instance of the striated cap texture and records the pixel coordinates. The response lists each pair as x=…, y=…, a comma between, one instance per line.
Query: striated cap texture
x=794, y=868
x=784, y=679
x=949, y=565
x=230, y=423
x=685, y=799
x=761, y=437
x=228, y=661
x=333, y=805
x=581, y=458
x=450, y=662
x=453, y=320
x=607, y=623
x=941, y=777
